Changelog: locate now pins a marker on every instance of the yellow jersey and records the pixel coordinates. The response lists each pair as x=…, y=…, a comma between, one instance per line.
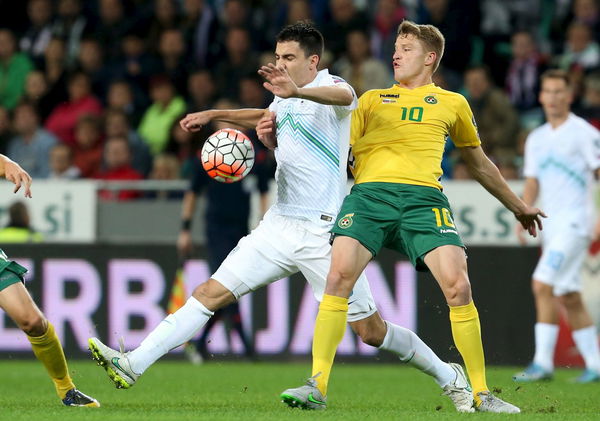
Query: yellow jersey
x=398, y=135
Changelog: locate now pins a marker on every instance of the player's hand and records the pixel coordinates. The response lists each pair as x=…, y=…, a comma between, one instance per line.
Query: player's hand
x=265, y=129
x=520, y=232
x=184, y=243
x=531, y=220
x=279, y=81
x=193, y=122
x=18, y=176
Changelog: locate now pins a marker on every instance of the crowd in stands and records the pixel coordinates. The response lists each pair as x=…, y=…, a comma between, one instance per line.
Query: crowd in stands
x=95, y=88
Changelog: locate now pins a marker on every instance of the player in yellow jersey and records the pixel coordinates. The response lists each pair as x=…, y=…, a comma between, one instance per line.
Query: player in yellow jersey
x=17, y=303
x=397, y=140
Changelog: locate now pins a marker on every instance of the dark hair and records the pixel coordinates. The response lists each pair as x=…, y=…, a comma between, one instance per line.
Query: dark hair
x=305, y=34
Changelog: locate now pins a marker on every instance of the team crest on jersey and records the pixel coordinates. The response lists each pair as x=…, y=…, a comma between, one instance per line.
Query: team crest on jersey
x=346, y=221
x=430, y=99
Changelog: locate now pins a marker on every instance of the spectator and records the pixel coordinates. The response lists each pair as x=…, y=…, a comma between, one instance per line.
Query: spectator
x=121, y=97
x=14, y=67
x=240, y=61
x=458, y=20
x=136, y=65
x=113, y=23
x=19, y=229
x=38, y=34
x=183, y=145
x=201, y=90
x=31, y=145
x=173, y=58
x=165, y=15
x=252, y=94
x=165, y=167
x=69, y=26
x=61, y=163
x=344, y=19
x=590, y=104
x=527, y=64
x=200, y=28
x=496, y=119
x=117, y=125
x=359, y=68
x=158, y=118
x=581, y=51
x=6, y=133
x=117, y=159
x=388, y=16
x=87, y=151
x=63, y=118
x=55, y=70
x=37, y=93
x=90, y=60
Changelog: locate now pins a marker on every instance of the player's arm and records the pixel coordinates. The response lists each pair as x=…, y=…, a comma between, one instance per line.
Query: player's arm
x=245, y=117
x=15, y=174
x=281, y=84
x=488, y=175
x=184, y=241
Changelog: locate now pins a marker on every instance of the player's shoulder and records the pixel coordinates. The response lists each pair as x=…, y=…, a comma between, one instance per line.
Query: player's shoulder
x=325, y=78
x=451, y=96
x=539, y=132
x=583, y=126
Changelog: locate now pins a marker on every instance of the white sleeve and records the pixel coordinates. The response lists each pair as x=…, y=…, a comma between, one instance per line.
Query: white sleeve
x=530, y=166
x=273, y=105
x=591, y=148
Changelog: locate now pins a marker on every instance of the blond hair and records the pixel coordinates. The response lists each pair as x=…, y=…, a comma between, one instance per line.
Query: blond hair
x=430, y=37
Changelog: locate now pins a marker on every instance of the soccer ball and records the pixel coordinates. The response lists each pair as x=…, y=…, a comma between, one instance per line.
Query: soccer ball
x=227, y=155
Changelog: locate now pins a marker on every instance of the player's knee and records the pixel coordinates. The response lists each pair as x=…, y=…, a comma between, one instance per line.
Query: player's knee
x=33, y=324
x=541, y=289
x=372, y=338
x=571, y=301
x=213, y=295
x=458, y=291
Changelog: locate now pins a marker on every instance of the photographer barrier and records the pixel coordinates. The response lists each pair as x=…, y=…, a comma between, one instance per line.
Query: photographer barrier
x=122, y=290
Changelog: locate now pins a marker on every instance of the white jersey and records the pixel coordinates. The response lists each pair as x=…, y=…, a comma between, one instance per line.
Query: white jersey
x=563, y=161
x=311, y=154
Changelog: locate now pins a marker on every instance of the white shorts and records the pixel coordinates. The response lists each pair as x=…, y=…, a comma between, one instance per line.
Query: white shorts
x=561, y=262
x=279, y=247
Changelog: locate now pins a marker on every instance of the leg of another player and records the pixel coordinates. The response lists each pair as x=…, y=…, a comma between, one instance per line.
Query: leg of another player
x=348, y=259
x=403, y=342
x=181, y=326
x=546, y=329
x=19, y=306
x=584, y=331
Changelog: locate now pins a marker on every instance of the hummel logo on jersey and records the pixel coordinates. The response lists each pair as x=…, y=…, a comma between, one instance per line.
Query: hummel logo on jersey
x=389, y=95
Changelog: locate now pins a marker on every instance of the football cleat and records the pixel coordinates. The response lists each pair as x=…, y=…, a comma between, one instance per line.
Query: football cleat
x=533, y=373
x=588, y=376
x=305, y=397
x=76, y=398
x=491, y=403
x=459, y=391
x=114, y=362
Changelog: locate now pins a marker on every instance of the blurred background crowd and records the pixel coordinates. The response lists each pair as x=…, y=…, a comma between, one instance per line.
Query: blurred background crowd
x=95, y=88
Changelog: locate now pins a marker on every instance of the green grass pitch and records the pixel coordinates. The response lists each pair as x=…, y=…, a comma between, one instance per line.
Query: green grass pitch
x=176, y=390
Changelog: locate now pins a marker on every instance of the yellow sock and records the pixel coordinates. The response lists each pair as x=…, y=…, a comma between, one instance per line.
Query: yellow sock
x=48, y=350
x=329, y=331
x=466, y=332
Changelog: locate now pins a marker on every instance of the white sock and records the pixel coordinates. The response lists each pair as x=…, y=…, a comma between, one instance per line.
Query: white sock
x=545, y=342
x=412, y=350
x=586, y=340
x=176, y=329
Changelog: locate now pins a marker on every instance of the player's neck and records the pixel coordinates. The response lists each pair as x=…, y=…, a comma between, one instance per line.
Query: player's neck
x=415, y=82
x=557, y=120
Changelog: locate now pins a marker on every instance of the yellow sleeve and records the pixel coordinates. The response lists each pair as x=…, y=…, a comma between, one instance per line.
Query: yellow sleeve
x=359, y=119
x=464, y=130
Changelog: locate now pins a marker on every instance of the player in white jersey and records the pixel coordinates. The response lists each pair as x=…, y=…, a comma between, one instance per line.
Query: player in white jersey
x=561, y=159
x=311, y=112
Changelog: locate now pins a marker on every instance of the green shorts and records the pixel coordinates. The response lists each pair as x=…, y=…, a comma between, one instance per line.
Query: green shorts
x=10, y=272
x=403, y=217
